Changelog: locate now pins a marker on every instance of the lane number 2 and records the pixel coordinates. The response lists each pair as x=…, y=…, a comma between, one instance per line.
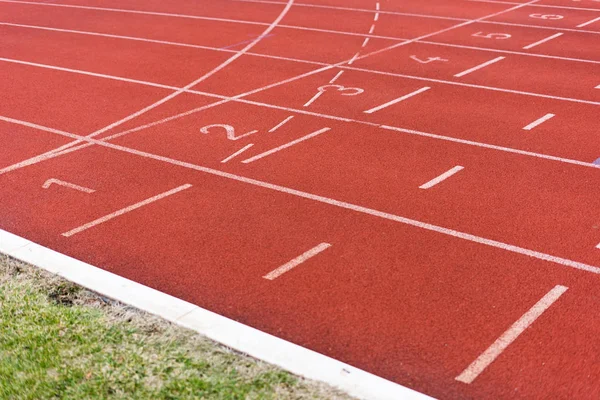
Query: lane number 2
x=228, y=129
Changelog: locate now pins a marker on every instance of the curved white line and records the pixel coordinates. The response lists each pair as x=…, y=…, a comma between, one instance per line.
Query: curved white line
x=178, y=92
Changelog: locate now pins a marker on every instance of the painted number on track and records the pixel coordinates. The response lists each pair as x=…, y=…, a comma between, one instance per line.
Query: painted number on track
x=546, y=16
x=428, y=60
x=345, y=91
x=228, y=129
x=498, y=36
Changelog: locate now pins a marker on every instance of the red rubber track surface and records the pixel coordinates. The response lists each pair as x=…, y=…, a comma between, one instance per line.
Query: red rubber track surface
x=396, y=297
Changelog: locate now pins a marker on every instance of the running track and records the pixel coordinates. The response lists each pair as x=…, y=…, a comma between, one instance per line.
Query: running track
x=410, y=187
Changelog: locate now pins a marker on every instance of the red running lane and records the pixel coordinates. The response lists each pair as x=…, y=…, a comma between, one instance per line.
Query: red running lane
x=411, y=305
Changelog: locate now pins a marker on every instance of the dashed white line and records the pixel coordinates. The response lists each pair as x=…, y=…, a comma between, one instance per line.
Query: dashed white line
x=589, y=22
x=538, y=122
x=314, y=98
x=492, y=352
x=598, y=246
x=372, y=29
x=353, y=58
x=285, y=146
x=335, y=78
x=125, y=210
x=398, y=100
x=49, y=182
x=441, y=178
x=279, y=125
x=237, y=153
x=365, y=42
x=296, y=261
x=485, y=64
x=532, y=45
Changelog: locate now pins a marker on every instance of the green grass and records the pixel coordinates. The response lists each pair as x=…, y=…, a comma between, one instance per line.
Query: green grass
x=59, y=341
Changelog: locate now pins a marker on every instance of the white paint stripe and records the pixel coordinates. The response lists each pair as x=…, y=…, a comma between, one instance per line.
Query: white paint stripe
x=372, y=29
x=377, y=6
x=325, y=200
x=598, y=246
x=354, y=57
x=49, y=182
x=285, y=146
x=296, y=261
x=534, y=5
x=538, y=122
x=441, y=178
x=237, y=153
x=291, y=357
x=492, y=352
x=365, y=42
x=376, y=18
x=485, y=64
x=336, y=77
x=532, y=45
x=314, y=98
x=125, y=210
x=589, y=22
x=399, y=99
x=279, y=125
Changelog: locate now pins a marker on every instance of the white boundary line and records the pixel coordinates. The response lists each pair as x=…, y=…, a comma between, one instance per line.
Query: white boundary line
x=288, y=266
x=258, y=344
x=537, y=5
x=285, y=146
x=282, y=123
x=125, y=210
x=442, y=177
x=510, y=335
x=398, y=100
x=475, y=68
x=237, y=153
x=532, y=45
x=326, y=200
x=589, y=22
x=538, y=122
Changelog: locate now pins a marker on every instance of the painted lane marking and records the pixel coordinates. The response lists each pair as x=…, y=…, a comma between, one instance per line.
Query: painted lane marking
x=442, y=177
x=532, y=45
x=296, y=261
x=365, y=42
x=485, y=64
x=335, y=78
x=279, y=125
x=326, y=200
x=398, y=100
x=538, y=122
x=354, y=58
x=125, y=210
x=509, y=336
x=589, y=22
x=285, y=146
x=237, y=153
x=49, y=182
x=247, y=41
x=322, y=89
x=533, y=5
x=598, y=246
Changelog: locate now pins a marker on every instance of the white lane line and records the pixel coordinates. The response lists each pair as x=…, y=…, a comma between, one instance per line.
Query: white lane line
x=589, y=22
x=598, y=246
x=237, y=153
x=372, y=29
x=279, y=125
x=532, y=45
x=296, y=261
x=485, y=64
x=365, y=42
x=335, y=78
x=354, y=57
x=441, y=178
x=285, y=146
x=125, y=210
x=58, y=182
x=314, y=98
x=207, y=75
x=533, y=5
x=538, y=122
x=291, y=357
x=492, y=352
x=326, y=200
x=398, y=100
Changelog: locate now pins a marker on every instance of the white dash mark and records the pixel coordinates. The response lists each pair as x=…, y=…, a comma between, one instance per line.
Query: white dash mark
x=237, y=153
x=314, y=98
x=49, y=182
x=365, y=42
x=398, y=100
x=532, y=45
x=377, y=6
x=296, y=261
x=279, y=125
x=588, y=23
x=538, y=122
x=441, y=178
x=509, y=336
x=285, y=146
x=125, y=210
x=376, y=17
x=485, y=64
x=372, y=28
x=353, y=58
x=598, y=246
x=335, y=78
